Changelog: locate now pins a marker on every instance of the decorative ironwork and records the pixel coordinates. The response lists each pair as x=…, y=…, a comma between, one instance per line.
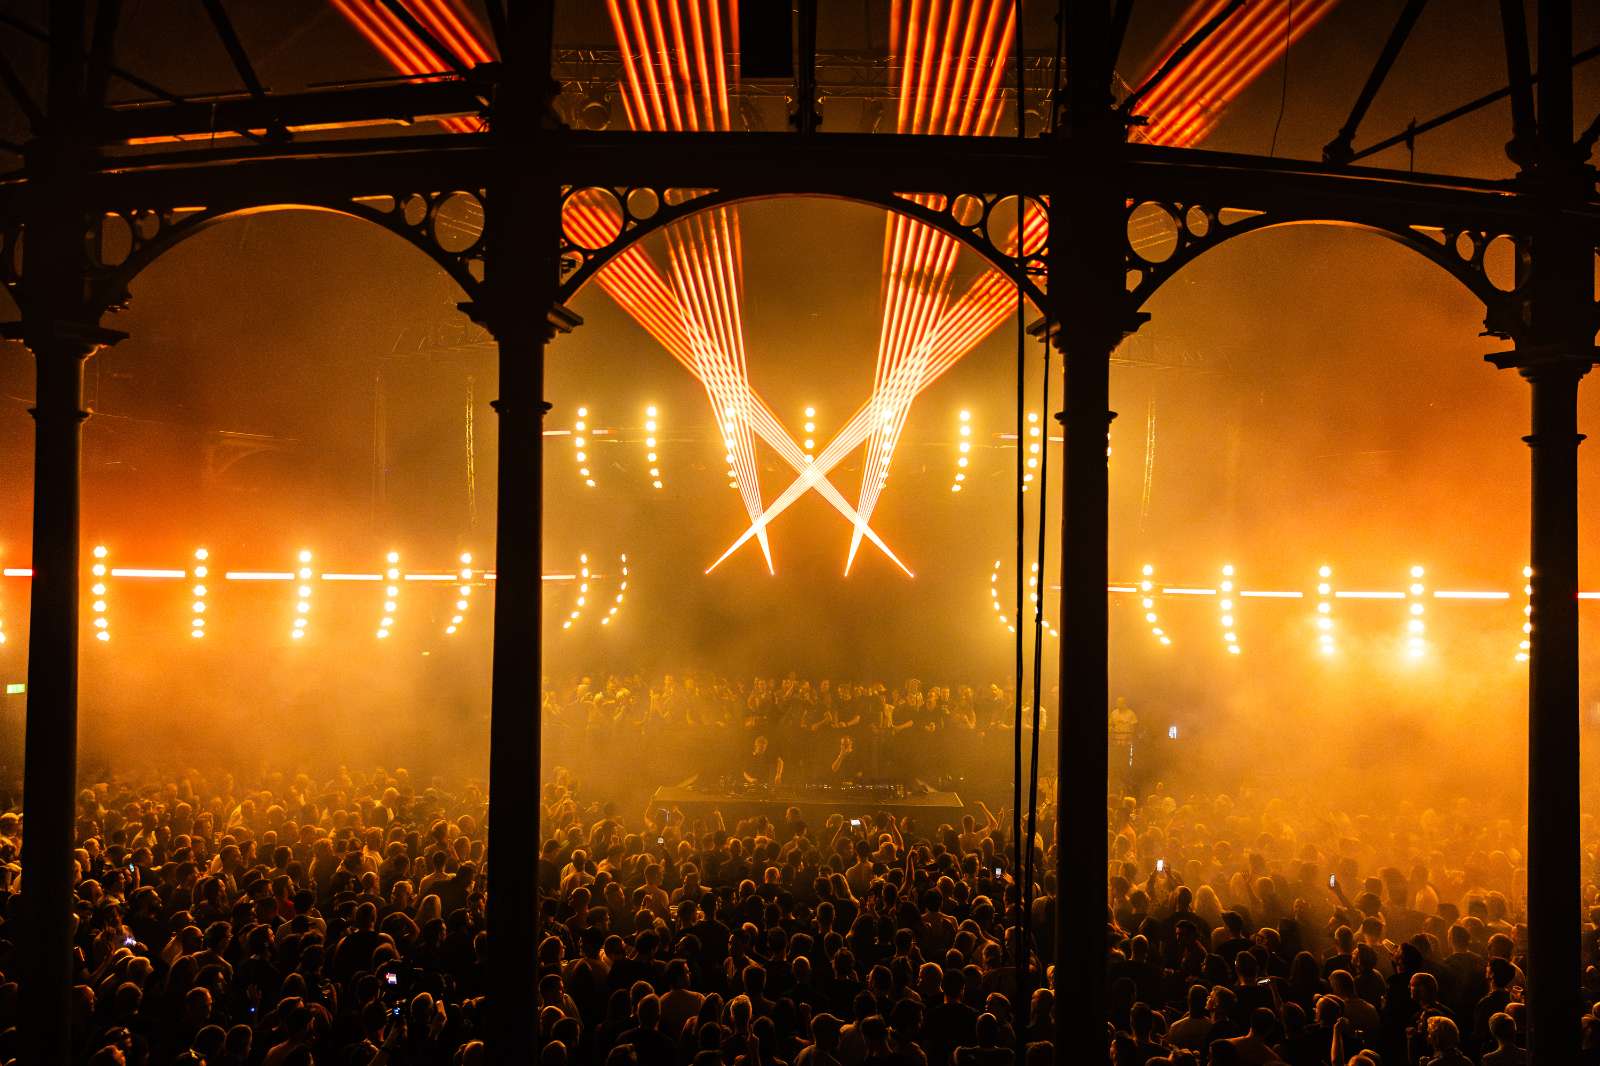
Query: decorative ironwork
x=1164, y=237
x=447, y=226
x=600, y=223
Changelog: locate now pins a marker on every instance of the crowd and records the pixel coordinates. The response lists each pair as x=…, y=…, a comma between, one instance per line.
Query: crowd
x=291, y=920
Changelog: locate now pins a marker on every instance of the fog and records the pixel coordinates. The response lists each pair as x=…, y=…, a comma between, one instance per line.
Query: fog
x=1301, y=397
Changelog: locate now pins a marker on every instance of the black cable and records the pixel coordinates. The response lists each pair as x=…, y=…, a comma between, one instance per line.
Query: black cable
x=1038, y=625
x=1020, y=948
x=1038, y=647
x=1283, y=95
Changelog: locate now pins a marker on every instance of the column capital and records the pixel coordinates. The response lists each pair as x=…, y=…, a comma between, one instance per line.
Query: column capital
x=1535, y=361
x=84, y=338
x=558, y=319
x=1049, y=328
x=1061, y=418
x=503, y=406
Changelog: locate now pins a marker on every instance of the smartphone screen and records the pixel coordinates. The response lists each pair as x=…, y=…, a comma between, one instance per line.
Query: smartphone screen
x=1161, y=866
x=855, y=821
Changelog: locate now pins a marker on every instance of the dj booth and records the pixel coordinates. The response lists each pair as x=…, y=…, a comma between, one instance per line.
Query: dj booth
x=928, y=809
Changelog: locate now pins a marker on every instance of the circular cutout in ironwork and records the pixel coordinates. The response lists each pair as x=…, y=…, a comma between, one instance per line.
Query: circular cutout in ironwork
x=591, y=218
x=146, y=224
x=116, y=241
x=458, y=222
x=1466, y=245
x=643, y=204
x=414, y=210
x=1152, y=232
x=967, y=210
x=1502, y=263
x=1006, y=220
x=1197, y=220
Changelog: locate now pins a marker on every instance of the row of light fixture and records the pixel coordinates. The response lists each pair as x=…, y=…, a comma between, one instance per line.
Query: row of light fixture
x=1414, y=595
x=199, y=572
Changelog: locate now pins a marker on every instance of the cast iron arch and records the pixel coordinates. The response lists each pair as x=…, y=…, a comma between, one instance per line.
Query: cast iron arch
x=445, y=226
x=1458, y=250
x=636, y=212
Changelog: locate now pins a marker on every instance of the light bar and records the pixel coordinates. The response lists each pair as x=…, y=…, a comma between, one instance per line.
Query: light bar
x=1525, y=646
x=257, y=575
x=996, y=602
x=1147, y=588
x=1349, y=595
x=963, y=449
x=391, y=601
x=622, y=588
x=1451, y=594
x=102, y=625
x=197, y=609
x=134, y=571
x=579, y=444
x=352, y=577
x=1172, y=591
x=17, y=571
x=430, y=577
x=1325, y=623
x=1230, y=639
x=650, y=455
x=302, y=605
x=583, y=593
x=1271, y=594
x=465, y=576
x=1109, y=588
x=1416, y=646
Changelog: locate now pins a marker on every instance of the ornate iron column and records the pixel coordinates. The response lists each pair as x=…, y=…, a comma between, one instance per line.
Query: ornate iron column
x=61, y=327
x=521, y=278
x=1554, y=350
x=51, y=744
x=1088, y=303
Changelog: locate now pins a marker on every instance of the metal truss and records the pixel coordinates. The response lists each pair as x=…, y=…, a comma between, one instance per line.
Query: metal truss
x=1197, y=199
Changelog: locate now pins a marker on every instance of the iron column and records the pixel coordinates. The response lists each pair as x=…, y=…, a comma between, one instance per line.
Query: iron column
x=522, y=231
x=1555, y=348
x=1087, y=303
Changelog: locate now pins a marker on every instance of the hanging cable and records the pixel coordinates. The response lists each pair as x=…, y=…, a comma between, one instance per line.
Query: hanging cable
x=1020, y=943
x=1039, y=585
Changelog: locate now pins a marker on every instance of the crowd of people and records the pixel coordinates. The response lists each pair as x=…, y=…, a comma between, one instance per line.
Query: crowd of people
x=293, y=919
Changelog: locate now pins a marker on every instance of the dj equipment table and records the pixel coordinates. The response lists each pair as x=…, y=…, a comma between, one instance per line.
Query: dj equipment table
x=926, y=807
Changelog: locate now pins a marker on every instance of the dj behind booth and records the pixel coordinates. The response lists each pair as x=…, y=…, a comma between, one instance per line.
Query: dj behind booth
x=762, y=782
